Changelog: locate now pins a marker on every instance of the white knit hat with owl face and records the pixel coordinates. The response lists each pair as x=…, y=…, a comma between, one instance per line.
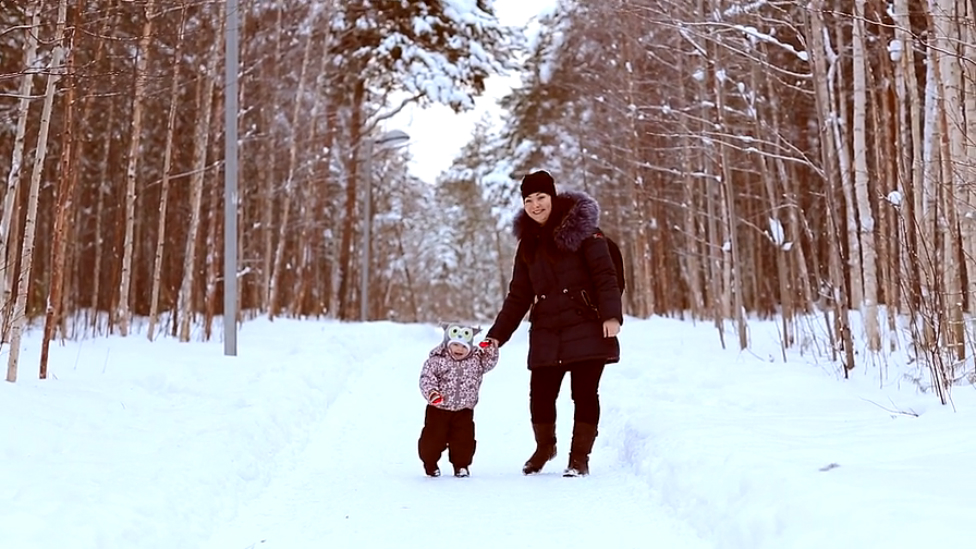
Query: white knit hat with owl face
x=460, y=333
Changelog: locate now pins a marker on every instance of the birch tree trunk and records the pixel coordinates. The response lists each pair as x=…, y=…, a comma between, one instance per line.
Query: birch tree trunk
x=267, y=208
x=644, y=301
x=349, y=207
x=328, y=243
x=778, y=236
x=102, y=189
x=948, y=314
x=200, y=146
x=909, y=108
x=956, y=163
x=839, y=116
x=164, y=191
x=16, y=163
x=927, y=214
x=128, y=246
x=693, y=259
x=714, y=245
x=715, y=252
x=952, y=153
x=822, y=61
x=213, y=252
x=19, y=319
x=713, y=157
x=81, y=210
x=968, y=175
x=869, y=303
x=733, y=259
x=886, y=156
x=283, y=228
x=796, y=225
x=63, y=210
x=310, y=206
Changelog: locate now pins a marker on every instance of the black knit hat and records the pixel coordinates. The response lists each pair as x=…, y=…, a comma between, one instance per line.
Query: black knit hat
x=538, y=182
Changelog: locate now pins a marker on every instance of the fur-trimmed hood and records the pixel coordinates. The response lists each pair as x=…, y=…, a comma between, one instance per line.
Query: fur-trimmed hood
x=577, y=215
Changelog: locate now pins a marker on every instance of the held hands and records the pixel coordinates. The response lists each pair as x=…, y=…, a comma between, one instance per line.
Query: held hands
x=611, y=327
x=488, y=342
x=435, y=398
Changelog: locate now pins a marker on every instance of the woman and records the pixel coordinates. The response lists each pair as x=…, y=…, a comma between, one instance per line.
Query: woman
x=564, y=273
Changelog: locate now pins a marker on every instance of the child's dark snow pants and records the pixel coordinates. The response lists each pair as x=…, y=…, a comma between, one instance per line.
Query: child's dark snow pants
x=447, y=429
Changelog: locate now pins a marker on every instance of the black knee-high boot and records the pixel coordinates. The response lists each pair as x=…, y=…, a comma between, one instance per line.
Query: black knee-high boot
x=545, y=447
x=584, y=434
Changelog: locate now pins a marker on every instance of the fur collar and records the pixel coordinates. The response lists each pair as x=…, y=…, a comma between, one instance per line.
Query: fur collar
x=577, y=215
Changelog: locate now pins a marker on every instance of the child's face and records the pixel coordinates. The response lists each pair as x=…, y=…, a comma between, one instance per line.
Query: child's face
x=457, y=350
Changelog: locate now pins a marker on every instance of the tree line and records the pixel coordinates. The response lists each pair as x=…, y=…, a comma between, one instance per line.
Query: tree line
x=754, y=158
x=762, y=158
x=112, y=150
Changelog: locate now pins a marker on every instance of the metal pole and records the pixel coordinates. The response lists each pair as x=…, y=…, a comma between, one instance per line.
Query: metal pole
x=367, y=225
x=230, y=178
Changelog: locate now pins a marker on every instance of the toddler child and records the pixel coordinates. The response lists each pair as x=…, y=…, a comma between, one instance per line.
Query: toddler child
x=450, y=381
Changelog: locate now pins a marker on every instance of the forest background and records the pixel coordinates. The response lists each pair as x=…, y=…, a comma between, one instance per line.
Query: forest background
x=810, y=162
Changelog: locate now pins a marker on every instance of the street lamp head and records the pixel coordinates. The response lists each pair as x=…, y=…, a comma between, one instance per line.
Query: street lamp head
x=392, y=139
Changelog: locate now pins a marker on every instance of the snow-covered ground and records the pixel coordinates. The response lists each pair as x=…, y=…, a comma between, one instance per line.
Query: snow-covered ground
x=308, y=439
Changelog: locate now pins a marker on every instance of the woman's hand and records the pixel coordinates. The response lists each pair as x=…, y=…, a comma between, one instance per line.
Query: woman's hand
x=611, y=327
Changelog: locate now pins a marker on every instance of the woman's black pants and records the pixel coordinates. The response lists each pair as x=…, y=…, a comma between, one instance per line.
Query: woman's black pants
x=584, y=382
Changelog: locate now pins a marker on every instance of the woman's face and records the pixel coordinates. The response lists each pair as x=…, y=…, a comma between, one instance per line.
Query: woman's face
x=538, y=206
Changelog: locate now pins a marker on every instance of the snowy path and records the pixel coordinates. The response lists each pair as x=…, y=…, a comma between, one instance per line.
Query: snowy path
x=303, y=443
x=359, y=482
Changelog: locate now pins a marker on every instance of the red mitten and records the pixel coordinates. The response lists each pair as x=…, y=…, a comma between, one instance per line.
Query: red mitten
x=435, y=398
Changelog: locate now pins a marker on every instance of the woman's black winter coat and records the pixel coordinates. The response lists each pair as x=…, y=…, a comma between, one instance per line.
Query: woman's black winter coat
x=564, y=273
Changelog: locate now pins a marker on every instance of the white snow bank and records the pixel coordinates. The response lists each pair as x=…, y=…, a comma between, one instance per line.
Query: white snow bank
x=137, y=444
x=756, y=454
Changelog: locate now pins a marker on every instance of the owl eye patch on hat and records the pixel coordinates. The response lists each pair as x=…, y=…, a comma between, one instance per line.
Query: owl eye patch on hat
x=459, y=333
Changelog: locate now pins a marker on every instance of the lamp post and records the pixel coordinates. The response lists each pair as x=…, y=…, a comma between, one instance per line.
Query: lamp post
x=232, y=33
x=389, y=140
